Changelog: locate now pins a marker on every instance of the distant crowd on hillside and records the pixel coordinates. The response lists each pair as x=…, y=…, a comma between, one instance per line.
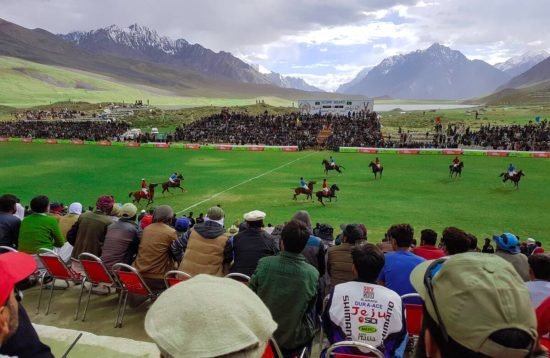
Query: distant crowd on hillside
x=83, y=130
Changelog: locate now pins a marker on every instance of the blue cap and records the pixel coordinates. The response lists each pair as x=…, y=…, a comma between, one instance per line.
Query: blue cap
x=182, y=224
x=507, y=242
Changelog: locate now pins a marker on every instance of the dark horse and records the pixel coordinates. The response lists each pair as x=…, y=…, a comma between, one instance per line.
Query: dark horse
x=376, y=170
x=456, y=171
x=331, y=194
x=175, y=184
x=514, y=178
x=328, y=167
x=138, y=195
x=308, y=192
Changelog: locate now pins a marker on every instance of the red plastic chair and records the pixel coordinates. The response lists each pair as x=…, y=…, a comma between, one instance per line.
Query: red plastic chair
x=96, y=274
x=4, y=249
x=130, y=281
x=413, y=315
x=241, y=277
x=174, y=277
x=371, y=350
x=545, y=342
x=58, y=270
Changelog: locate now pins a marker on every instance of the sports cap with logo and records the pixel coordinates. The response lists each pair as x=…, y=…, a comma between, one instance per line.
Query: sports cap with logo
x=476, y=295
x=182, y=224
x=219, y=316
x=507, y=242
x=14, y=267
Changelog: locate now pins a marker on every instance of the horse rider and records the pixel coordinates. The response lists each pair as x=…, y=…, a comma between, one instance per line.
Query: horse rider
x=303, y=183
x=456, y=161
x=144, y=188
x=377, y=162
x=332, y=164
x=511, y=170
x=325, y=187
x=173, y=178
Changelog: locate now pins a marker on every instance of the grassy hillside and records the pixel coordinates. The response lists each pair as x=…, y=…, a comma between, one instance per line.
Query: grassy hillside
x=415, y=189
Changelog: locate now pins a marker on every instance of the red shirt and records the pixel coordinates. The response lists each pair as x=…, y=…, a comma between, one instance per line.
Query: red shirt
x=429, y=252
x=324, y=184
x=143, y=184
x=456, y=161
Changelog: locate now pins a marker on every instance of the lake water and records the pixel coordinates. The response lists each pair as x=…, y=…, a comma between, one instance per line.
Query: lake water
x=383, y=107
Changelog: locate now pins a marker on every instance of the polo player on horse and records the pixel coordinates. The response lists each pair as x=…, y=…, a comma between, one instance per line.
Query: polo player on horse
x=144, y=189
x=173, y=178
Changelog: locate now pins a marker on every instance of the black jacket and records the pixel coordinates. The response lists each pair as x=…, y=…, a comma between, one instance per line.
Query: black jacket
x=249, y=246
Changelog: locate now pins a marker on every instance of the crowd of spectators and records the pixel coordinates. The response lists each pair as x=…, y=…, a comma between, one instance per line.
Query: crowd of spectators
x=83, y=130
x=52, y=114
x=476, y=303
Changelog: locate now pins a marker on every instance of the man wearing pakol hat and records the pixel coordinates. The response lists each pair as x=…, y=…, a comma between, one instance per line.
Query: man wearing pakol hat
x=66, y=222
x=17, y=335
x=88, y=233
x=204, y=247
x=250, y=245
x=209, y=316
x=507, y=246
x=474, y=305
x=122, y=238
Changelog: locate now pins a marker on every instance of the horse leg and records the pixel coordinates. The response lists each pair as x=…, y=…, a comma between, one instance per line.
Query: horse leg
x=182, y=190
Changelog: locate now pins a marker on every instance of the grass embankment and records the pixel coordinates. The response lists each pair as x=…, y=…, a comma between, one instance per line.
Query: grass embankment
x=415, y=189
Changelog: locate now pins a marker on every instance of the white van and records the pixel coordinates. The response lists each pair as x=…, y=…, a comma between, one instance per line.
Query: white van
x=154, y=131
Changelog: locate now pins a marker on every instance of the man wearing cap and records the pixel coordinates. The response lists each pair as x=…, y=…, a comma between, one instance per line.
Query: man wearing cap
x=508, y=248
x=9, y=224
x=88, y=233
x=250, y=245
x=182, y=225
x=66, y=222
x=204, y=247
x=339, y=262
x=474, y=305
x=122, y=238
x=210, y=316
x=288, y=285
x=17, y=336
x=39, y=230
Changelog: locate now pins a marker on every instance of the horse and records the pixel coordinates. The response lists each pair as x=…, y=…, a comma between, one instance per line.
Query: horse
x=456, y=171
x=331, y=194
x=138, y=195
x=514, y=178
x=175, y=184
x=328, y=167
x=301, y=190
x=376, y=170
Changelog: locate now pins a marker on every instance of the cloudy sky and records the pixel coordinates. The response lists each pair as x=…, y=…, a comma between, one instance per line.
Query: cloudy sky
x=326, y=42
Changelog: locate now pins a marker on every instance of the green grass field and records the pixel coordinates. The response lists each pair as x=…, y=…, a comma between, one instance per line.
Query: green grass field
x=415, y=189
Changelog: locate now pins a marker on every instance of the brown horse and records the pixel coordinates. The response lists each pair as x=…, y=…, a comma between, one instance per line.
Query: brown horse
x=175, y=184
x=328, y=167
x=376, y=170
x=514, y=178
x=331, y=194
x=456, y=171
x=138, y=195
x=308, y=192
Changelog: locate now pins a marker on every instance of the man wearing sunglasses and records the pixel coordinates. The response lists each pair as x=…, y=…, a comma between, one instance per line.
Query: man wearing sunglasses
x=475, y=305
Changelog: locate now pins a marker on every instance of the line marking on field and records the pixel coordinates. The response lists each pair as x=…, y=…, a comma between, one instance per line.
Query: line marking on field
x=243, y=182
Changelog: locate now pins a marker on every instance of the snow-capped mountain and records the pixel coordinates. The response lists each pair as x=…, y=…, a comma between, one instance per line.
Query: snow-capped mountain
x=519, y=64
x=437, y=72
x=146, y=44
x=358, y=78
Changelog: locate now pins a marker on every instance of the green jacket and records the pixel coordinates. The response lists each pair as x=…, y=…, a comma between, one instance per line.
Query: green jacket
x=287, y=284
x=39, y=231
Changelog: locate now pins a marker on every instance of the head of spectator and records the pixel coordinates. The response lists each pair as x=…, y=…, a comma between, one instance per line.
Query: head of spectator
x=401, y=236
x=8, y=204
x=507, y=243
x=304, y=217
x=255, y=219
x=105, y=204
x=56, y=208
x=182, y=224
x=364, y=229
x=181, y=330
x=454, y=241
x=216, y=215
x=294, y=236
x=163, y=214
x=368, y=261
x=539, y=267
x=14, y=267
x=531, y=241
x=473, y=242
x=428, y=237
x=128, y=211
x=75, y=209
x=504, y=323
x=115, y=211
x=352, y=234
x=233, y=229
x=40, y=204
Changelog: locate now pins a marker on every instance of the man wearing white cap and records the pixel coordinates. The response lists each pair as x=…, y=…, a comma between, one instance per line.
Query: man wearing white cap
x=250, y=245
